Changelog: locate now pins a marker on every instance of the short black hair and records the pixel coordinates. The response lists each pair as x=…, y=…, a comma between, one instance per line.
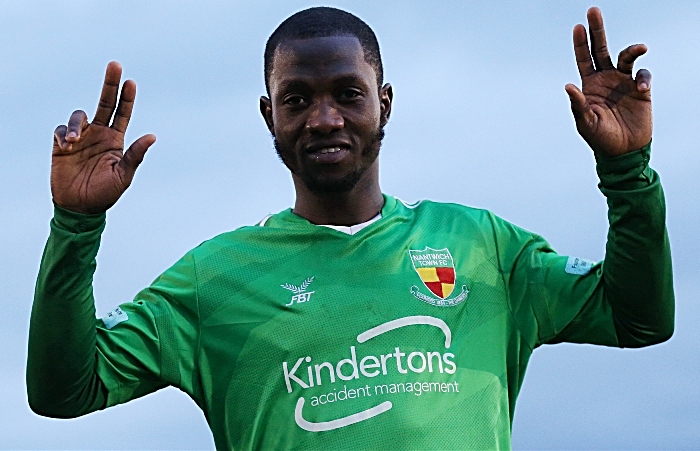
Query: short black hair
x=321, y=22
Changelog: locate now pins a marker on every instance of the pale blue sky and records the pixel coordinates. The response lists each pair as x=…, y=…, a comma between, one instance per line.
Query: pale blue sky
x=480, y=118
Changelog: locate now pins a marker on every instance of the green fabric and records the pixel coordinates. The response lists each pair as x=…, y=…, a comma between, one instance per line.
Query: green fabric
x=291, y=335
x=61, y=379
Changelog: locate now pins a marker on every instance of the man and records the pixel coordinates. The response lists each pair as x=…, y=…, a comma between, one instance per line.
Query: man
x=353, y=320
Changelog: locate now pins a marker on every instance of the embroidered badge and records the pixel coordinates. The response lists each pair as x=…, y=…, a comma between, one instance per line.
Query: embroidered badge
x=300, y=293
x=436, y=270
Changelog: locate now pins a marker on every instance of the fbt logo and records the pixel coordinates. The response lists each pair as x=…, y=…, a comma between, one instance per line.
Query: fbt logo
x=300, y=292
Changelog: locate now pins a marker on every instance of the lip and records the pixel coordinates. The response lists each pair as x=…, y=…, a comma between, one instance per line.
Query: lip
x=317, y=147
x=328, y=152
x=331, y=157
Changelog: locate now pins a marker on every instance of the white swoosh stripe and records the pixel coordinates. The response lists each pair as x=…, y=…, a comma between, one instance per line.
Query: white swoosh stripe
x=407, y=205
x=340, y=422
x=264, y=220
x=407, y=321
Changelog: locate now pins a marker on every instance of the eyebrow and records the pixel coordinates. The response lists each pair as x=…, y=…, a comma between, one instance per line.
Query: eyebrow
x=293, y=85
x=300, y=85
x=347, y=79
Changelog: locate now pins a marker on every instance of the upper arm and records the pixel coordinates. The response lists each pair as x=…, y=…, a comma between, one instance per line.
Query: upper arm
x=551, y=302
x=156, y=345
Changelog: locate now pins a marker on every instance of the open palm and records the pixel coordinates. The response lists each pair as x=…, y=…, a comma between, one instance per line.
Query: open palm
x=89, y=168
x=613, y=110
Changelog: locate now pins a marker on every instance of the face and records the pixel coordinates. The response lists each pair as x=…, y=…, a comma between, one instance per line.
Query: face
x=326, y=113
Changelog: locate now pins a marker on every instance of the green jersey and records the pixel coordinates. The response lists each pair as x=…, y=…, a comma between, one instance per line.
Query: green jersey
x=413, y=333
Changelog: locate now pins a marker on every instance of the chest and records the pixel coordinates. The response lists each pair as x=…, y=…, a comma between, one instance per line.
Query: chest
x=316, y=304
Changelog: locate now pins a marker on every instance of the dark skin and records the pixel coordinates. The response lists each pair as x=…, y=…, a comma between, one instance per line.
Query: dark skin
x=324, y=95
x=613, y=113
x=89, y=169
x=325, y=110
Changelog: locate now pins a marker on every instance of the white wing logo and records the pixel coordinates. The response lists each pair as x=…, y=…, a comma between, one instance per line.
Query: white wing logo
x=386, y=405
x=298, y=289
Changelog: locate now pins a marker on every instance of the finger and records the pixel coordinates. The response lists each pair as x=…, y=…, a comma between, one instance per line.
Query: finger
x=126, y=105
x=580, y=106
x=599, y=44
x=134, y=156
x=582, y=52
x=108, y=98
x=643, y=80
x=59, y=138
x=76, y=125
x=627, y=57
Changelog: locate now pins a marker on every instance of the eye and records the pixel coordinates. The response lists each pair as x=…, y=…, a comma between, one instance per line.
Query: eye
x=294, y=100
x=350, y=94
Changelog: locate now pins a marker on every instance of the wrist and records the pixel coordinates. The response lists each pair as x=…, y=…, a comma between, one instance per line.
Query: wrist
x=625, y=171
x=75, y=222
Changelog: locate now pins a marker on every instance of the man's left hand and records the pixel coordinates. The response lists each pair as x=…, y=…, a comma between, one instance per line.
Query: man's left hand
x=613, y=113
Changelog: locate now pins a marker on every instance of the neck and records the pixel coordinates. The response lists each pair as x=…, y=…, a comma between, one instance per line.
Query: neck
x=356, y=206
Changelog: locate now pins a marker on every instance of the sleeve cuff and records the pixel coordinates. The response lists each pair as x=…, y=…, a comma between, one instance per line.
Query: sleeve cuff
x=73, y=222
x=628, y=171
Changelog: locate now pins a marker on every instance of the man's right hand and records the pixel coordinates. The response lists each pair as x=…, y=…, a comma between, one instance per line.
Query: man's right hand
x=89, y=168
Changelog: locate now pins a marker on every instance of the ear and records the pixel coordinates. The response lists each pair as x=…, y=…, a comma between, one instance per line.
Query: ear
x=266, y=111
x=386, y=96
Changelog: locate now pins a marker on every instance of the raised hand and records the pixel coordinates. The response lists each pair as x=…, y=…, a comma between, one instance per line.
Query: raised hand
x=89, y=168
x=613, y=113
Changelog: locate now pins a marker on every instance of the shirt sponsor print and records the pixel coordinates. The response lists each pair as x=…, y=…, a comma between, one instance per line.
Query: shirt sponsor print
x=305, y=373
x=436, y=270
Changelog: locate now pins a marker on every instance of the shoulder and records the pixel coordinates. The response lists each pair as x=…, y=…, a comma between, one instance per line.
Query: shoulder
x=429, y=210
x=270, y=236
x=239, y=238
x=462, y=220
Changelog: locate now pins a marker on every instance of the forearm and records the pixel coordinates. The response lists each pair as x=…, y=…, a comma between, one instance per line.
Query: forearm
x=637, y=273
x=61, y=377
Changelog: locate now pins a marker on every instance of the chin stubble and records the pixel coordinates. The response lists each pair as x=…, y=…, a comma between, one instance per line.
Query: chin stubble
x=339, y=186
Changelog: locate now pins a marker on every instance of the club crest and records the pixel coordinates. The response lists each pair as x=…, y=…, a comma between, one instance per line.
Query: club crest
x=436, y=270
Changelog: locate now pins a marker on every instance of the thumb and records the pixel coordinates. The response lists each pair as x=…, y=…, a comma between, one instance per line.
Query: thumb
x=134, y=156
x=579, y=106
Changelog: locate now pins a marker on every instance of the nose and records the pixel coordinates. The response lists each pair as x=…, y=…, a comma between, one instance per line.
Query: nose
x=324, y=118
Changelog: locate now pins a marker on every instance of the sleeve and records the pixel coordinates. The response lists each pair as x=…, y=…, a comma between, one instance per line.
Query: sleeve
x=78, y=364
x=626, y=300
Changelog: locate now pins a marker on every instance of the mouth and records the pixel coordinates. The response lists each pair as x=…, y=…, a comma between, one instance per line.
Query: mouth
x=326, y=150
x=329, y=154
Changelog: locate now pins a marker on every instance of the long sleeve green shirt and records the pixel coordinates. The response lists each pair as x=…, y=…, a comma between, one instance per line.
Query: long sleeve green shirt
x=413, y=333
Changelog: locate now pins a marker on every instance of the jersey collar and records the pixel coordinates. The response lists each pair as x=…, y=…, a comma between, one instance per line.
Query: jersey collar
x=286, y=219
